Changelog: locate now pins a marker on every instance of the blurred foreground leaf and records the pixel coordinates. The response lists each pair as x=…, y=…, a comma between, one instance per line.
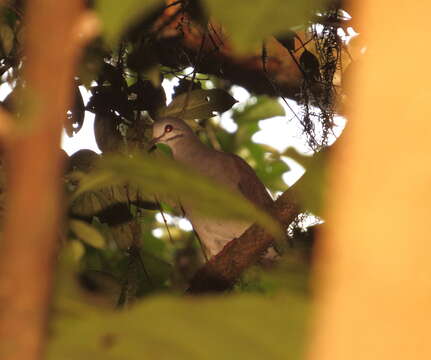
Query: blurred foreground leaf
x=235, y=327
x=248, y=23
x=117, y=15
x=170, y=178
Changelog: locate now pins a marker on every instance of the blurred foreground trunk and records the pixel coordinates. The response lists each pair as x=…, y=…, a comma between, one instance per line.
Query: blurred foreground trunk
x=373, y=276
x=34, y=167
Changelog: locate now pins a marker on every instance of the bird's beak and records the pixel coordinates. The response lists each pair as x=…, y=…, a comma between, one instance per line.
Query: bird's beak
x=153, y=142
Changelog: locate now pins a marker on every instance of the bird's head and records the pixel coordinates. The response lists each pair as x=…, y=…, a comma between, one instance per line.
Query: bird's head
x=169, y=131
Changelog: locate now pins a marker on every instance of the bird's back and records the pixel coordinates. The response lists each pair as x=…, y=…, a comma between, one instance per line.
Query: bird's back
x=250, y=185
x=232, y=171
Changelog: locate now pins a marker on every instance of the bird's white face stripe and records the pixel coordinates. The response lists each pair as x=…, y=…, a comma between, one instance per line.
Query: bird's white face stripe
x=156, y=139
x=173, y=137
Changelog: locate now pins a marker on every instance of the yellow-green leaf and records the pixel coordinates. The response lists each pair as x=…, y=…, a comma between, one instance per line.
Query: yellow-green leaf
x=77, y=249
x=87, y=233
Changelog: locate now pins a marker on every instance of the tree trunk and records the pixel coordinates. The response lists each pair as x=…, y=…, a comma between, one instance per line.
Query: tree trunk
x=34, y=168
x=373, y=277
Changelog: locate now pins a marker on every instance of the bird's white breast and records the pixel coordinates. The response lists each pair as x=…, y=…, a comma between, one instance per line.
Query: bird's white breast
x=216, y=233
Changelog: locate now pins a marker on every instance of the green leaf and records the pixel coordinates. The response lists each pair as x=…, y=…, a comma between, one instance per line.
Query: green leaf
x=87, y=233
x=168, y=177
x=245, y=133
x=153, y=245
x=158, y=272
x=311, y=187
x=271, y=174
x=269, y=168
x=117, y=15
x=249, y=22
x=291, y=275
x=164, y=149
x=6, y=37
x=235, y=327
x=77, y=249
x=201, y=104
x=264, y=108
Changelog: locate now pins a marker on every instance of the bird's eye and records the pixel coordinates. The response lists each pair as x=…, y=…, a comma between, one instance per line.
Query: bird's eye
x=168, y=128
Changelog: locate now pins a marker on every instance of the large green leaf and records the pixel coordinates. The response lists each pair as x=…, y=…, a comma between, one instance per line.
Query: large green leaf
x=117, y=15
x=167, y=177
x=249, y=22
x=265, y=160
x=264, y=108
x=201, y=104
x=311, y=188
x=235, y=327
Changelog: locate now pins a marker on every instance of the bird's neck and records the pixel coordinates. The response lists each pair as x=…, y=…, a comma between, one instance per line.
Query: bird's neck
x=189, y=150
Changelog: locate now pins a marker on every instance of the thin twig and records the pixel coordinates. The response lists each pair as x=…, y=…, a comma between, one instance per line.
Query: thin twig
x=272, y=83
x=198, y=58
x=201, y=245
x=141, y=262
x=164, y=219
x=197, y=236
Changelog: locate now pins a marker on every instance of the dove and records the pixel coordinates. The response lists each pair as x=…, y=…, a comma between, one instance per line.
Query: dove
x=225, y=168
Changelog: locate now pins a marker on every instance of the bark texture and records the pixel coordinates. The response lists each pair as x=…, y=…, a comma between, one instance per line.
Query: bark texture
x=34, y=168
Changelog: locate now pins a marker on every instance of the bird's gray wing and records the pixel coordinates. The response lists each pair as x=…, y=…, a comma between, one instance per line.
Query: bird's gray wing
x=250, y=185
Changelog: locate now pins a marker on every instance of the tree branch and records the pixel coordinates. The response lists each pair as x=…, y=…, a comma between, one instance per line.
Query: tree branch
x=246, y=71
x=222, y=271
x=180, y=40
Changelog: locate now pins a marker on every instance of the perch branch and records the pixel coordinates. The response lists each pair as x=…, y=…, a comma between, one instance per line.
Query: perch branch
x=222, y=271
